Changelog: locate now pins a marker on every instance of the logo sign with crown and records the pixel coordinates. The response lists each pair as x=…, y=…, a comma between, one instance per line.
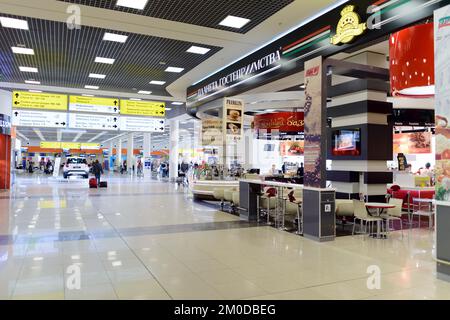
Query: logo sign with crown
x=349, y=26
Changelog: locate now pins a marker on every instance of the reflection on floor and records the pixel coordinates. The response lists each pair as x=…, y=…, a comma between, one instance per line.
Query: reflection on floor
x=146, y=239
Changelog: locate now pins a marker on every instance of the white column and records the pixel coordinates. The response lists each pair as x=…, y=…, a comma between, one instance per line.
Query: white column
x=147, y=144
x=130, y=149
x=173, y=148
x=110, y=149
x=119, y=153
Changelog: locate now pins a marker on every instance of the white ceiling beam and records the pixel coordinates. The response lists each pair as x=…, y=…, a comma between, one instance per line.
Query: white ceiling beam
x=59, y=135
x=22, y=135
x=39, y=134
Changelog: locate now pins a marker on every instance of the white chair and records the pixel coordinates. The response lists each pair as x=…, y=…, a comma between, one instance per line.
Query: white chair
x=362, y=215
x=393, y=214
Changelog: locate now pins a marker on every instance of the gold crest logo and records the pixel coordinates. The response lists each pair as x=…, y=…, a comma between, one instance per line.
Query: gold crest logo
x=349, y=26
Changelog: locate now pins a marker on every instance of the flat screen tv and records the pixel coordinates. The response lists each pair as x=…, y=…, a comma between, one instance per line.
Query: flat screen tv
x=346, y=142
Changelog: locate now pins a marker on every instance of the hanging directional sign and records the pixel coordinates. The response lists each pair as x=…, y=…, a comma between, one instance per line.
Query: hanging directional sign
x=34, y=100
x=71, y=145
x=143, y=108
x=141, y=124
x=50, y=145
x=91, y=121
x=93, y=104
x=90, y=146
x=28, y=118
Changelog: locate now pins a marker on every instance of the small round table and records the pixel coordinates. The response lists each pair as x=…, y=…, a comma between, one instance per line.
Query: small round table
x=380, y=207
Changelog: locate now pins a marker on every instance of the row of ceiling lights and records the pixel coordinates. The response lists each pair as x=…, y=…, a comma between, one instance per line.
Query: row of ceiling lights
x=23, y=25
x=229, y=21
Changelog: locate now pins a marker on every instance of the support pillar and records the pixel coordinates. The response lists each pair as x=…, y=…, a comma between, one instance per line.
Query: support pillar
x=119, y=153
x=173, y=148
x=5, y=139
x=130, y=152
x=359, y=106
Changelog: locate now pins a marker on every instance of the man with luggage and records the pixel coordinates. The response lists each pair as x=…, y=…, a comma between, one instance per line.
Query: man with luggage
x=97, y=170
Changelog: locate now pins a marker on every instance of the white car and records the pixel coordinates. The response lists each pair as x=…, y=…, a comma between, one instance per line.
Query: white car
x=76, y=166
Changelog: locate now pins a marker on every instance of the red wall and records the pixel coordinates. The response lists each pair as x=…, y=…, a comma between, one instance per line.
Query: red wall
x=5, y=161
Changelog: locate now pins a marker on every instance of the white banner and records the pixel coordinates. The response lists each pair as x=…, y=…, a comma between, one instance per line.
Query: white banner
x=91, y=121
x=141, y=124
x=41, y=119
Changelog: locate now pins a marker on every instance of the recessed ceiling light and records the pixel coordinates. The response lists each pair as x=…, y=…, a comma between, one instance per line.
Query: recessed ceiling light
x=20, y=50
x=144, y=92
x=97, y=76
x=177, y=103
x=91, y=87
x=234, y=22
x=135, y=99
x=35, y=91
x=87, y=95
x=104, y=60
x=14, y=23
x=28, y=69
x=168, y=109
x=115, y=37
x=174, y=69
x=198, y=50
x=135, y=4
x=32, y=82
x=159, y=83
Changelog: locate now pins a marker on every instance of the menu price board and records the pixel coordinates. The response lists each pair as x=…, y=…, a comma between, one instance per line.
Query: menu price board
x=233, y=119
x=442, y=103
x=35, y=100
x=212, y=134
x=143, y=108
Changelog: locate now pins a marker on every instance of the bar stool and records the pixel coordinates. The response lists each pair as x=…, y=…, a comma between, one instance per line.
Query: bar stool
x=294, y=199
x=268, y=196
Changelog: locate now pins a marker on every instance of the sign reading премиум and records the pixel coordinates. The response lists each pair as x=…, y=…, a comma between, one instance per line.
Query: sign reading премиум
x=94, y=104
x=43, y=101
x=143, y=108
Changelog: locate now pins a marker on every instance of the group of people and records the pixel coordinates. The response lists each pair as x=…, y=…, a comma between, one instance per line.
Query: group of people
x=44, y=166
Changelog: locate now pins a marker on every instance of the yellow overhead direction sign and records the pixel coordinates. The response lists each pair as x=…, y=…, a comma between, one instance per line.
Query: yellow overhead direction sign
x=50, y=145
x=70, y=145
x=143, y=108
x=94, y=104
x=90, y=146
x=94, y=101
x=44, y=101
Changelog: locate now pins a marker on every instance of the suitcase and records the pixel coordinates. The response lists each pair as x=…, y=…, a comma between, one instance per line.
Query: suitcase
x=92, y=183
x=103, y=184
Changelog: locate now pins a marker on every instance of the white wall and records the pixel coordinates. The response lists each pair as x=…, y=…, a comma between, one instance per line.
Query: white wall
x=5, y=102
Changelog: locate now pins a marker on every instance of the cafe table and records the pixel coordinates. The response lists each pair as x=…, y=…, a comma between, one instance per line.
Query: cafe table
x=379, y=208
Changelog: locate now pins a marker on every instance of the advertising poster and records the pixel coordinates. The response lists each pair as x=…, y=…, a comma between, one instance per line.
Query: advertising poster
x=212, y=134
x=233, y=119
x=412, y=143
x=442, y=102
x=314, y=153
x=292, y=148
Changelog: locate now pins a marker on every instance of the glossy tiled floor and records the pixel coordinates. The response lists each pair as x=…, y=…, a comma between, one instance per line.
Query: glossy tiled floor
x=145, y=239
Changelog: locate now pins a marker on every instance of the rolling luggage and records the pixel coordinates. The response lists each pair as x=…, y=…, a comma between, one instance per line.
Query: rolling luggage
x=92, y=183
x=103, y=184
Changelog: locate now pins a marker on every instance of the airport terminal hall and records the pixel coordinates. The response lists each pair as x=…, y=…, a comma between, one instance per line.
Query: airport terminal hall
x=241, y=152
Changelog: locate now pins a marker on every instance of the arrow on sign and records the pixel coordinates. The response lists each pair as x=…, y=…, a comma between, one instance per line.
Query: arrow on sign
x=162, y=129
x=115, y=102
x=162, y=106
x=115, y=119
x=162, y=122
x=16, y=102
x=63, y=123
x=17, y=95
x=16, y=113
x=115, y=109
x=162, y=112
x=115, y=126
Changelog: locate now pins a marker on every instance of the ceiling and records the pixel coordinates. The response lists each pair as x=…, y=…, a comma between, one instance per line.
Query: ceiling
x=162, y=32
x=66, y=57
x=206, y=13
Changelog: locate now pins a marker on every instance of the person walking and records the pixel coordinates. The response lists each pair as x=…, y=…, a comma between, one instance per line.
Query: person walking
x=98, y=171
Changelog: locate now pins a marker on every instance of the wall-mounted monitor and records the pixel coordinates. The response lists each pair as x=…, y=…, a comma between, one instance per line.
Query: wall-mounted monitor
x=346, y=142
